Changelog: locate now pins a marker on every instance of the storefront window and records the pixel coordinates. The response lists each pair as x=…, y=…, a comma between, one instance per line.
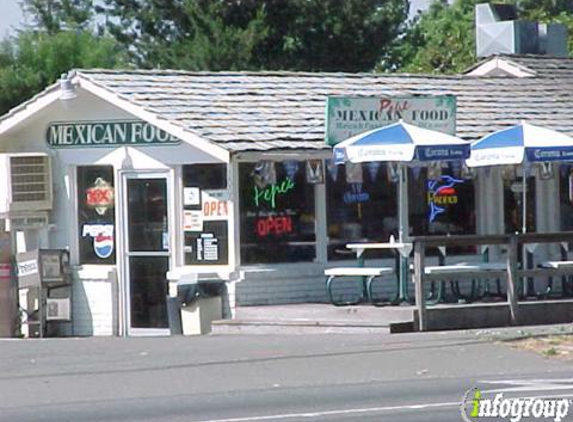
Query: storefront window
x=276, y=212
x=361, y=205
x=205, y=214
x=96, y=214
x=513, y=200
x=442, y=201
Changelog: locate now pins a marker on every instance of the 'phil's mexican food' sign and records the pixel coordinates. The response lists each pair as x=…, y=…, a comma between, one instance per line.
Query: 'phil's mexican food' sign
x=349, y=116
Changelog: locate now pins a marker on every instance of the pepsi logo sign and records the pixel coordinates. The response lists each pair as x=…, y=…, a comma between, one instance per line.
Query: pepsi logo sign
x=102, y=235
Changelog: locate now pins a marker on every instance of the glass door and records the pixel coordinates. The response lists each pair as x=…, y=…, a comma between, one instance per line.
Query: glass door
x=147, y=252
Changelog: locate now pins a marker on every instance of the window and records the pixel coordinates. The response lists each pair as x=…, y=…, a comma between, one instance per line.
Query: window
x=276, y=212
x=205, y=212
x=513, y=200
x=442, y=201
x=96, y=214
x=361, y=205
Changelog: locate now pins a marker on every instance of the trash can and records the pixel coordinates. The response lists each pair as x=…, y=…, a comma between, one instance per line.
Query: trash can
x=200, y=305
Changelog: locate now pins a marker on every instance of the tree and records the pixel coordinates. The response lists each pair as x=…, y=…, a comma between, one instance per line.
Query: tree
x=53, y=16
x=31, y=61
x=61, y=38
x=330, y=35
x=442, y=39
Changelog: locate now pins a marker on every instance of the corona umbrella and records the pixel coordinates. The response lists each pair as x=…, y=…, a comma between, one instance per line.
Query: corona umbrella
x=401, y=143
x=521, y=144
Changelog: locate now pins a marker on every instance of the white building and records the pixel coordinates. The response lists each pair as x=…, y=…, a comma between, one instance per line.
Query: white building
x=228, y=173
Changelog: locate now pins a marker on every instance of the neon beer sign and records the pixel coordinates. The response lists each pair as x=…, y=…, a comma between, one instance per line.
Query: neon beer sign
x=100, y=196
x=441, y=193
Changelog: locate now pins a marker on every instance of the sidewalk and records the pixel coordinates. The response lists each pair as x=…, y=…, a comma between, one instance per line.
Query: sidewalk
x=314, y=318
x=320, y=318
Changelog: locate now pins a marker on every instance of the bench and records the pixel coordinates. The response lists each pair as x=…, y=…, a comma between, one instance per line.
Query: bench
x=557, y=265
x=368, y=275
x=455, y=272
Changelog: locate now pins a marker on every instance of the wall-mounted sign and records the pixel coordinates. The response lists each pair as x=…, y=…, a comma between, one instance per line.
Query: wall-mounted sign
x=215, y=204
x=192, y=221
x=106, y=134
x=315, y=172
x=103, y=239
x=441, y=193
x=191, y=196
x=349, y=116
x=207, y=247
x=27, y=268
x=100, y=196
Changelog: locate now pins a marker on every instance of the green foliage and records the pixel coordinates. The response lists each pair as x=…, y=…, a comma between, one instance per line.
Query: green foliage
x=332, y=35
x=53, y=16
x=442, y=39
x=32, y=61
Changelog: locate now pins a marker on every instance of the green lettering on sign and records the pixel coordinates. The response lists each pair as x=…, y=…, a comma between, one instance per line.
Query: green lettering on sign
x=269, y=194
x=106, y=134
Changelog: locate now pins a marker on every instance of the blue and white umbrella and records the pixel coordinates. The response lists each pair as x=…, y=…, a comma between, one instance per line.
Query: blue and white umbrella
x=521, y=144
x=401, y=142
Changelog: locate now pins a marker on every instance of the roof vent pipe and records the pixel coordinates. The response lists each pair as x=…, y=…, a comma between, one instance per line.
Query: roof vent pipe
x=67, y=88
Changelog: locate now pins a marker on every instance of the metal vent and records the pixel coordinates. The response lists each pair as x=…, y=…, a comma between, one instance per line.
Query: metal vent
x=30, y=179
x=499, y=32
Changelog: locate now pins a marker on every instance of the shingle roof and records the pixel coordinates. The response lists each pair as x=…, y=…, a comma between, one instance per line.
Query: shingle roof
x=539, y=65
x=284, y=110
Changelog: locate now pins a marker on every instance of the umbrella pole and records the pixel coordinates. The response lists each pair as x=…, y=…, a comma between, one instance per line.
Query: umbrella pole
x=403, y=230
x=524, y=252
x=524, y=202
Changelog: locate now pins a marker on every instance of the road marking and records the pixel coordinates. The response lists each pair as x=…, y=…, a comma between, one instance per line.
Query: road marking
x=335, y=412
x=537, y=385
x=529, y=385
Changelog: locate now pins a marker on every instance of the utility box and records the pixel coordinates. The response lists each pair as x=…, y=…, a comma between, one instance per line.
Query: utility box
x=197, y=316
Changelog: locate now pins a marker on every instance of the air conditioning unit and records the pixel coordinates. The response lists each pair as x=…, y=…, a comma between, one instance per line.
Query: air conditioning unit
x=25, y=183
x=58, y=309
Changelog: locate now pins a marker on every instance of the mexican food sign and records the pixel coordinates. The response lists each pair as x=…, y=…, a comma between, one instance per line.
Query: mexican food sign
x=349, y=116
x=93, y=134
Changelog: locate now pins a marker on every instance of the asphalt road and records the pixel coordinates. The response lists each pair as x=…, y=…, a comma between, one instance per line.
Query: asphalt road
x=410, y=377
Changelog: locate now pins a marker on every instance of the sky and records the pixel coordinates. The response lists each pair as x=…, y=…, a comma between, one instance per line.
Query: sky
x=11, y=16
